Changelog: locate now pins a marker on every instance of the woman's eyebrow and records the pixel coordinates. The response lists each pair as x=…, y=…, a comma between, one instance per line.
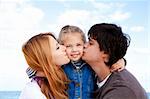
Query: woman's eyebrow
x=57, y=44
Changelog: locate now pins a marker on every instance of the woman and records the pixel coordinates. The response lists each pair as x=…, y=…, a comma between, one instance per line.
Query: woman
x=43, y=53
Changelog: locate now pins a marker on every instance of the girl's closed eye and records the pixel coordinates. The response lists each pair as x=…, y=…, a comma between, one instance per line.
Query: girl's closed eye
x=68, y=46
x=79, y=45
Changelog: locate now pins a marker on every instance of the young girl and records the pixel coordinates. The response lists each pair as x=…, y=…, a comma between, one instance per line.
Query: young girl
x=82, y=77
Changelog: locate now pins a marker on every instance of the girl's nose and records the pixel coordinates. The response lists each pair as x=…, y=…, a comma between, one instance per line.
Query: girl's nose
x=74, y=48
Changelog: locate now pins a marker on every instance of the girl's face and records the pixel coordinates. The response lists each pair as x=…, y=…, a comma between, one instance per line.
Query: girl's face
x=74, y=46
x=59, y=55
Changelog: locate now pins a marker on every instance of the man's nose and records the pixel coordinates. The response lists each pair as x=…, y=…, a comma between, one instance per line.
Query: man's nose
x=85, y=45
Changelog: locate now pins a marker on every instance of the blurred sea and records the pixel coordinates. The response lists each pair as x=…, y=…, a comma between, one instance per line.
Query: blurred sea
x=15, y=94
x=9, y=94
x=148, y=95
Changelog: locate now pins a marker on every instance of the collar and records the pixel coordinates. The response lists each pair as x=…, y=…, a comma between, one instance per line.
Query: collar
x=78, y=64
x=100, y=84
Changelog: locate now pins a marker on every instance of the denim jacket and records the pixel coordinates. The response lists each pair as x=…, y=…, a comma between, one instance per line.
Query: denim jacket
x=82, y=80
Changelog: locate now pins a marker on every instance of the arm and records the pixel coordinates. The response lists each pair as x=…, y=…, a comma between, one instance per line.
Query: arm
x=119, y=65
x=32, y=91
x=120, y=92
x=32, y=73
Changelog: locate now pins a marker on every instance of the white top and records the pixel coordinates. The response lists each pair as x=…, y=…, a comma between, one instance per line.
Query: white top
x=100, y=84
x=32, y=91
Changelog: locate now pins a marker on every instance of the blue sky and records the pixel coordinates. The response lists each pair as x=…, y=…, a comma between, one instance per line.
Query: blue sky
x=21, y=19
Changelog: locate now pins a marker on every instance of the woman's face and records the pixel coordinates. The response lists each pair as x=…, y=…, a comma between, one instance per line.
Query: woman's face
x=58, y=53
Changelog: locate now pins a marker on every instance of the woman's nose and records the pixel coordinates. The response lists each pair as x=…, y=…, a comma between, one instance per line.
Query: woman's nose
x=63, y=47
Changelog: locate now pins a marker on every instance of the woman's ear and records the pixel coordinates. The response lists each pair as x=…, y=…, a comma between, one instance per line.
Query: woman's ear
x=40, y=74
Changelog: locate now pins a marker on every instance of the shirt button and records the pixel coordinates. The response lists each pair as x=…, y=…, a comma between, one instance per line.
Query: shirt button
x=77, y=84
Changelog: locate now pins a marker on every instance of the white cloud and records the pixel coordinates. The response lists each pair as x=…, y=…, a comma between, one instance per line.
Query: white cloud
x=119, y=16
x=138, y=65
x=13, y=68
x=18, y=19
x=101, y=12
x=62, y=0
x=15, y=1
x=141, y=50
x=74, y=17
x=22, y=16
x=107, y=6
x=71, y=17
x=137, y=29
x=110, y=12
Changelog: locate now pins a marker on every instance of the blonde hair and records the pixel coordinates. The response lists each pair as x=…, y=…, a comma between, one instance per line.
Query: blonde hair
x=70, y=29
x=37, y=52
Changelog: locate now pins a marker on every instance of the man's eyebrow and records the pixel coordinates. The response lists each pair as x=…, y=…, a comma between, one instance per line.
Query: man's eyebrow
x=89, y=38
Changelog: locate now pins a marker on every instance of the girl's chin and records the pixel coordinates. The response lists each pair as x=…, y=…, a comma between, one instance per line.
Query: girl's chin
x=76, y=59
x=67, y=61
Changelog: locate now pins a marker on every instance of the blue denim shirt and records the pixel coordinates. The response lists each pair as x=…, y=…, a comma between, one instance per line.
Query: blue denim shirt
x=82, y=80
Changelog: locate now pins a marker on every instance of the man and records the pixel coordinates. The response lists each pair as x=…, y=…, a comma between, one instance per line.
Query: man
x=107, y=44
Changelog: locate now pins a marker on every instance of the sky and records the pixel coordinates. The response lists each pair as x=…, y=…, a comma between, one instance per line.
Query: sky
x=21, y=19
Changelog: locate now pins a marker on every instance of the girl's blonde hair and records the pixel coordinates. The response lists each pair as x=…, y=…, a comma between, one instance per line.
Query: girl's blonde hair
x=37, y=52
x=70, y=29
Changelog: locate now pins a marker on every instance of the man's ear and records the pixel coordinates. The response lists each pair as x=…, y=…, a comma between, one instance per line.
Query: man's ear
x=105, y=57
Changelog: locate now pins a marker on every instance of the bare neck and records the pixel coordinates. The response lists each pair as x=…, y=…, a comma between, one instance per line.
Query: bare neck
x=101, y=69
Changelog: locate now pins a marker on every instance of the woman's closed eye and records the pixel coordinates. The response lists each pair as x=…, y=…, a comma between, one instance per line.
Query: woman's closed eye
x=57, y=47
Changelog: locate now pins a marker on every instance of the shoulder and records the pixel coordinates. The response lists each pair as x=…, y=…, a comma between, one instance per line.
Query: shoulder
x=122, y=84
x=121, y=81
x=116, y=89
x=119, y=92
x=32, y=91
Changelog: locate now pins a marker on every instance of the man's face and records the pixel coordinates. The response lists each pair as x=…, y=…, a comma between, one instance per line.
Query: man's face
x=92, y=53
